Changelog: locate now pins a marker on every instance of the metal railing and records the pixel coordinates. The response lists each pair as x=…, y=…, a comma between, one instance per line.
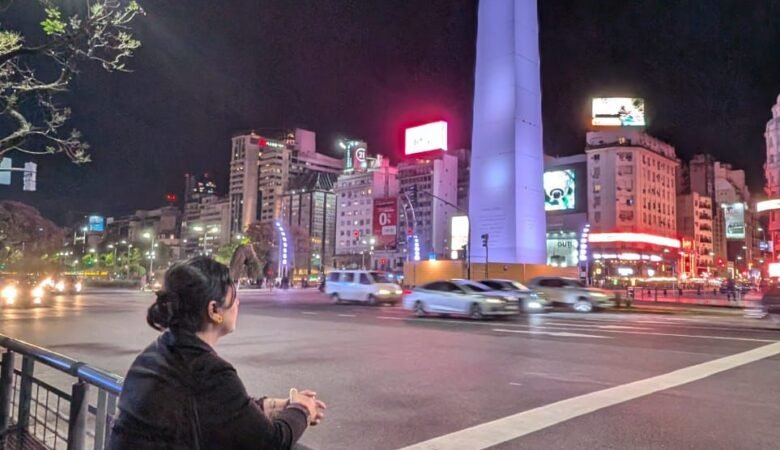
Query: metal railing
x=34, y=414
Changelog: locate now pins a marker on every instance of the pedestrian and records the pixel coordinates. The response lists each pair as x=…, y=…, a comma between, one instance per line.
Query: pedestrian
x=731, y=290
x=180, y=394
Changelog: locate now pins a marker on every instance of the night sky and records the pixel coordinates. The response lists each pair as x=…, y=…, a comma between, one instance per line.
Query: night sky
x=709, y=71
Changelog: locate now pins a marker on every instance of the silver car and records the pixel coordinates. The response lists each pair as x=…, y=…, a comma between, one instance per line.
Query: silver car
x=572, y=293
x=530, y=301
x=446, y=297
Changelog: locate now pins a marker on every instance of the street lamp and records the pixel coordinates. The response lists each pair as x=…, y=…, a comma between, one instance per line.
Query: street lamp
x=151, y=253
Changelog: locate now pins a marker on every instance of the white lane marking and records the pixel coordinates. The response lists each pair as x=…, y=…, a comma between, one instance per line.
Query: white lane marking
x=515, y=384
x=390, y=318
x=518, y=425
x=310, y=313
x=641, y=333
x=621, y=327
x=347, y=315
x=551, y=333
x=589, y=325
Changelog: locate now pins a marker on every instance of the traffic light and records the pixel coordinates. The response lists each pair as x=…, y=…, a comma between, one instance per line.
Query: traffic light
x=485, y=238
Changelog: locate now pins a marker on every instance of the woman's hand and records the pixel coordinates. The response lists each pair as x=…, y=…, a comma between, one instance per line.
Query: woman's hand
x=308, y=399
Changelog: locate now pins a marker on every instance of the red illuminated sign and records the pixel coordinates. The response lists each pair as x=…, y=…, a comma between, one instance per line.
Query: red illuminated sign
x=426, y=138
x=385, y=227
x=634, y=238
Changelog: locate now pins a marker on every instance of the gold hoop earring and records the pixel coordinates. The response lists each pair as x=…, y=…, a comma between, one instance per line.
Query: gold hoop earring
x=219, y=319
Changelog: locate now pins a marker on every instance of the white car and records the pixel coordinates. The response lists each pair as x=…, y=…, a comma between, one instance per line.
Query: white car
x=447, y=297
x=572, y=293
x=362, y=286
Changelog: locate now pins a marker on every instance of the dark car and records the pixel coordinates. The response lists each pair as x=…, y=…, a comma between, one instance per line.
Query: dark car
x=68, y=284
x=770, y=301
x=22, y=292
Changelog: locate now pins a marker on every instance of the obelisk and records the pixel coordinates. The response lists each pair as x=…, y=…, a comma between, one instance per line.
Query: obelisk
x=506, y=197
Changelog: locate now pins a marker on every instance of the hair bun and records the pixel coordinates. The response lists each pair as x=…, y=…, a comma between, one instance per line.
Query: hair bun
x=162, y=311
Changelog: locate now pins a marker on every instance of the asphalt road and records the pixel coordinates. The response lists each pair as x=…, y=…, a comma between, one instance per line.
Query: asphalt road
x=663, y=378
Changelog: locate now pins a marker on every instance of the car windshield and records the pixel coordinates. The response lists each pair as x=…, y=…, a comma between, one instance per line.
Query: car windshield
x=380, y=277
x=474, y=287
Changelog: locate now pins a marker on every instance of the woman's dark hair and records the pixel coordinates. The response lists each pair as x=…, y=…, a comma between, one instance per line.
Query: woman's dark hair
x=188, y=288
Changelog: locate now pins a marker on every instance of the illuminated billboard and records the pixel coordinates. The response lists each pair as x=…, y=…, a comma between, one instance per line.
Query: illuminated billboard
x=459, y=234
x=734, y=214
x=618, y=112
x=96, y=223
x=385, y=227
x=560, y=190
x=768, y=205
x=426, y=138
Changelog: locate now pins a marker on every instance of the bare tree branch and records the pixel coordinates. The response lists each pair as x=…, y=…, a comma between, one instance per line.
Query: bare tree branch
x=98, y=33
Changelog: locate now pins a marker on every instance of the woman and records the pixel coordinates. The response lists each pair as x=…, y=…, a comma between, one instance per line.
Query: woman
x=179, y=394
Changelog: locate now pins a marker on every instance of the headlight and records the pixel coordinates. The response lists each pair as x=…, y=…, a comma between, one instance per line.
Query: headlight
x=37, y=292
x=494, y=300
x=78, y=286
x=398, y=292
x=60, y=286
x=534, y=305
x=9, y=294
x=383, y=292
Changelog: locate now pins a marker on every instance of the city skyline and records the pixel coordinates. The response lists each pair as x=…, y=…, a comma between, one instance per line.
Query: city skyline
x=143, y=146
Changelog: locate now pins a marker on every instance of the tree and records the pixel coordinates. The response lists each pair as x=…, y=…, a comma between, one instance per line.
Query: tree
x=264, y=240
x=96, y=31
x=24, y=233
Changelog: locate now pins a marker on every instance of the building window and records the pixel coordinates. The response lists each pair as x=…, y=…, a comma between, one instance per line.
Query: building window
x=597, y=187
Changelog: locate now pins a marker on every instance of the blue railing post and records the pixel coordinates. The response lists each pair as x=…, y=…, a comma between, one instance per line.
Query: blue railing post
x=25, y=392
x=77, y=422
x=6, y=394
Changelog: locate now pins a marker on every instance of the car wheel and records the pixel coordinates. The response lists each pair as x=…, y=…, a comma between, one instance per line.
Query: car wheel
x=475, y=312
x=335, y=297
x=583, y=305
x=372, y=300
x=419, y=309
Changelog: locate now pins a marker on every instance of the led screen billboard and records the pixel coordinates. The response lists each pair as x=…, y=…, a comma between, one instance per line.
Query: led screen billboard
x=734, y=214
x=560, y=190
x=96, y=224
x=459, y=232
x=426, y=138
x=618, y=112
x=385, y=227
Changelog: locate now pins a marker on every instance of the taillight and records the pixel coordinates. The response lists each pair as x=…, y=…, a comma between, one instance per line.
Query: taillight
x=407, y=291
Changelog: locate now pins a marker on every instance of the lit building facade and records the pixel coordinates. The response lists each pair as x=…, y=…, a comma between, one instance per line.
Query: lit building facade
x=695, y=226
x=261, y=169
x=772, y=175
x=423, y=184
x=356, y=192
x=632, y=206
x=566, y=207
x=310, y=204
x=206, y=226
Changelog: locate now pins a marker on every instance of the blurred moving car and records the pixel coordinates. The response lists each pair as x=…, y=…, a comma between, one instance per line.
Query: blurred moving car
x=770, y=303
x=530, y=300
x=66, y=284
x=459, y=297
x=22, y=292
x=572, y=293
x=362, y=286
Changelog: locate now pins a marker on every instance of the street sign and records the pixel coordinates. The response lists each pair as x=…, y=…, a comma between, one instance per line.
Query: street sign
x=30, y=176
x=5, y=171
